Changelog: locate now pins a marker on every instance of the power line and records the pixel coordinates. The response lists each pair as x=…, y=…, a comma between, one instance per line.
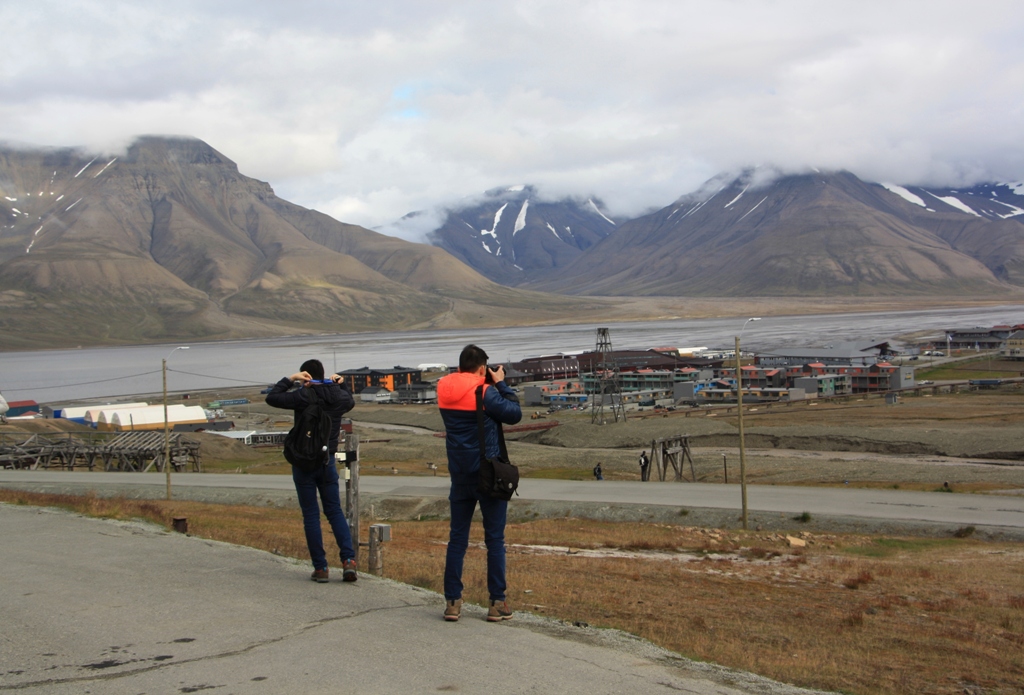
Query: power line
x=210, y=376
x=86, y=383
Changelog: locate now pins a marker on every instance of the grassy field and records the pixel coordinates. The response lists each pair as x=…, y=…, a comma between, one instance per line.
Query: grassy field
x=857, y=614
x=984, y=367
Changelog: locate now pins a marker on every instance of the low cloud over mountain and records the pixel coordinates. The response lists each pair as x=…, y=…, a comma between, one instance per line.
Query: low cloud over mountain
x=812, y=234
x=171, y=241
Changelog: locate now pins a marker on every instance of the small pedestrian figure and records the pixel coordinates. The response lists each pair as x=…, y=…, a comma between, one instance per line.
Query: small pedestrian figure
x=645, y=466
x=598, y=475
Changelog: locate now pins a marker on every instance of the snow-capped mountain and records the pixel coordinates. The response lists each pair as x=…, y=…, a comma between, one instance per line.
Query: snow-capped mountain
x=814, y=234
x=984, y=221
x=512, y=234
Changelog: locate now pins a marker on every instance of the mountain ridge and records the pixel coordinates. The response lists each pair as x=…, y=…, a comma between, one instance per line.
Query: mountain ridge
x=171, y=241
x=814, y=234
x=512, y=234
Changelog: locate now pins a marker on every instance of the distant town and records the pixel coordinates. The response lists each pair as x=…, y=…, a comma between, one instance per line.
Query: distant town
x=658, y=377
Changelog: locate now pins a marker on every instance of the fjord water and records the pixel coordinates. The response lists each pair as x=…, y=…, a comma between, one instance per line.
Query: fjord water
x=51, y=376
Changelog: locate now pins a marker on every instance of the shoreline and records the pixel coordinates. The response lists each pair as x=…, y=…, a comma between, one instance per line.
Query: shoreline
x=623, y=310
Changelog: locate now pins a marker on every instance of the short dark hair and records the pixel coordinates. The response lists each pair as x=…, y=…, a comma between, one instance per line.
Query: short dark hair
x=315, y=369
x=472, y=358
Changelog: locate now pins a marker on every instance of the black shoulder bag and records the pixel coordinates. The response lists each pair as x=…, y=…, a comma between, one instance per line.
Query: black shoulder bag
x=499, y=478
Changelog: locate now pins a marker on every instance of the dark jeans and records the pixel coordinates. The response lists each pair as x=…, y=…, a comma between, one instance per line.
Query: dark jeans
x=463, y=499
x=324, y=482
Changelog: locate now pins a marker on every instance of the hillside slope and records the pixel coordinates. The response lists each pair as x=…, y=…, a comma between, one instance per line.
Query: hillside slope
x=811, y=235
x=172, y=242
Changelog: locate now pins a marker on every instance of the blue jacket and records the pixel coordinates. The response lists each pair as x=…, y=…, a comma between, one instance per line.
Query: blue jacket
x=337, y=400
x=456, y=397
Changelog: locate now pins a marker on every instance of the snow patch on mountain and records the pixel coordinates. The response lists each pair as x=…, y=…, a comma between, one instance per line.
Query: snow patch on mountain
x=955, y=202
x=86, y=167
x=96, y=175
x=754, y=208
x=553, y=231
x=521, y=219
x=737, y=197
x=697, y=207
x=903, y=193
x=597, y=210
x=493, y=231
x=1014, y=210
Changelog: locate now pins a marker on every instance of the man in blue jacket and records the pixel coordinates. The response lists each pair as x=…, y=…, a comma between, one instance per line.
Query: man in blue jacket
x=456, y=398
x=292, y=393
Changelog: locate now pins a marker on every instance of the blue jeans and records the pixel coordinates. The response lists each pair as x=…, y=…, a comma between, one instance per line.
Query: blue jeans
x=462, y=500
x=324, y=482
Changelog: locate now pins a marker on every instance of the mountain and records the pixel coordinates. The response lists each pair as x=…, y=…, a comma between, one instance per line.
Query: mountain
x=984, y=221
x=512, y=235
x=170, y=241
x=823, y=234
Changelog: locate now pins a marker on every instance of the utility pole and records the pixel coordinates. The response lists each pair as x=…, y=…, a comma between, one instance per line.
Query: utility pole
x=739, y=419
x=167, y=428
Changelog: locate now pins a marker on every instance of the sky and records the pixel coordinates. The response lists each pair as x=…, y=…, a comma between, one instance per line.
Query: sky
x=369, y=110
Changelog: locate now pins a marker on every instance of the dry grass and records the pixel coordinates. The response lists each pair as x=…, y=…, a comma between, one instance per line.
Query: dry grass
x=851, y=613
x=988, y=366
x=992, y=408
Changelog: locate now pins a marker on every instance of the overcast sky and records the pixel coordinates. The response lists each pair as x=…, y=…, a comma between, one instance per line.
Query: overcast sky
x=369, y=110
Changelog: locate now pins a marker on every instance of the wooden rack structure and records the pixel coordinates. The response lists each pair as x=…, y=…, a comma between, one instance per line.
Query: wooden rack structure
x=672, y=451
x=129, y=451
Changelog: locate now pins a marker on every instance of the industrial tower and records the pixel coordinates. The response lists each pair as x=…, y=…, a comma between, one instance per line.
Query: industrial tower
x=606, y=382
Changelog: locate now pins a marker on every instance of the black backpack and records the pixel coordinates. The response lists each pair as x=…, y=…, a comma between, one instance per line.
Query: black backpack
x=306, y=446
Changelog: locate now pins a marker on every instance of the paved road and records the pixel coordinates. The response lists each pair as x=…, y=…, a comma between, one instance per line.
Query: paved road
x=991, y=511
x=95, y=606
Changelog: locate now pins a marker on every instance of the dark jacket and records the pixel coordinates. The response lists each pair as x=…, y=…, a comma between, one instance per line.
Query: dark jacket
x=456, y=397
x=336, y=399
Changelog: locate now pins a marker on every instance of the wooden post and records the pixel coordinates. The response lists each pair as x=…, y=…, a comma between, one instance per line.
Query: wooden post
x=686, y=453
x=739, y=418
x=352, y=488
x=167, y=433
x=375, y=562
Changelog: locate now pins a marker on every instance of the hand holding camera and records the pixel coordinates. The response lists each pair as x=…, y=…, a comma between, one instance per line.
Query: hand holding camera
x=495, y=374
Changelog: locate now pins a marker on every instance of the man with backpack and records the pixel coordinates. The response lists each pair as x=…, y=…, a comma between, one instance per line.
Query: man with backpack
x=457, y=400
x=318, y=405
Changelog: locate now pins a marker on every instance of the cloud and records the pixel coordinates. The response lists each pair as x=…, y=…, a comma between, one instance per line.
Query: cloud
x=367, y=111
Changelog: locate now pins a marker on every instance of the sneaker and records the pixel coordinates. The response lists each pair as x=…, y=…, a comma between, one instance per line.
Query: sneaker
x=320, y=576
x=348, y=573
x=452, y=610
x=498, y=611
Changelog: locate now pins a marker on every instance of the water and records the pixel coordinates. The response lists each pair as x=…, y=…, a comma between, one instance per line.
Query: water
x=55, y=376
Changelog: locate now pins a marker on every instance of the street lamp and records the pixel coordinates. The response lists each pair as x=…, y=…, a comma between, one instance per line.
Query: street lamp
x=167, y=429
x=739, y=422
